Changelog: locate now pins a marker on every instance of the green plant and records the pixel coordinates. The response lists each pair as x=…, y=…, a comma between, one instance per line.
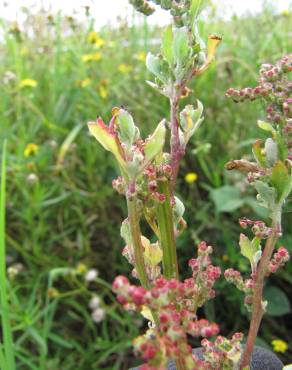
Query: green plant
x=60, y=220
x=148, y=181
x=7, y=361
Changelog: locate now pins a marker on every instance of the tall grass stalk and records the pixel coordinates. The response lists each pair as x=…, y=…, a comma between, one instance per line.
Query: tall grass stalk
x=6, y=358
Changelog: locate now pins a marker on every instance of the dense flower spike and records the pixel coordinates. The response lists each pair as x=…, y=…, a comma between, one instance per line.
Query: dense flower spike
x=279, y=259
x=177, y=303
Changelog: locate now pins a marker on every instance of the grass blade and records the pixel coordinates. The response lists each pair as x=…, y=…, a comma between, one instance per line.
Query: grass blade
x=7, y=336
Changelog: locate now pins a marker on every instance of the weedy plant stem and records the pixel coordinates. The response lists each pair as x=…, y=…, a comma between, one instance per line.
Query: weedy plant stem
x=166, y=233
x=133, y=217
x=8, y=357
x=136, y=239
x=257, y=305
x=174, y=143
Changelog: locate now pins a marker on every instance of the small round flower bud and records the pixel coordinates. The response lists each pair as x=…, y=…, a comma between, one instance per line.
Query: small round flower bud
x=91, y=275
x=32, y=179
x=120, y=282
x=94, y=302
x=98, y=315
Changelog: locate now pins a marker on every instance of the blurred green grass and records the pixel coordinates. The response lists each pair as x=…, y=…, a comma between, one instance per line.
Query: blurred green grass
x=63, y=216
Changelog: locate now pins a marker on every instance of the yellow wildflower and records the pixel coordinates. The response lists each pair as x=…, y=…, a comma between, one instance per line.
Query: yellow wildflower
x=53, y=293
x=141, y=56
x=191, y=177
x=124, y=68
x=225, y=258
x=91, y=57
x=86, y=82
x=81, y=268
x=279, y=345
x=27, y=82
x=30, y=149
x=94, y=38
x=91, y=37
x=103, y=91
x=99, y=43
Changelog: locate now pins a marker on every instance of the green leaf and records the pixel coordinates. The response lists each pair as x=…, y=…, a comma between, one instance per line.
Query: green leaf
x=250, y=249
x=196, y=7
x=281, y=180
x=154, y=144
x=266, y=126
x=167, y=40
x=180, y=46
x=262, y=212
x=227, y=198
x=278, y=303
x=158, y=67
x=178, y=210
x=126, y=232
x=266, y=194
x=190, y=120
x=126, y=127
x=282, y=147
x=38, y=339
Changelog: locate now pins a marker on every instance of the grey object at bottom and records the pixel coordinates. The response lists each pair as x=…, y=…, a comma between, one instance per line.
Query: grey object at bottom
x=262, y=359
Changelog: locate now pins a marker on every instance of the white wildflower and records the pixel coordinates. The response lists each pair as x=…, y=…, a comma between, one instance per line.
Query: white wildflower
x=98, y=315
x=94, y=302
x=91, y=275
x=32, y=179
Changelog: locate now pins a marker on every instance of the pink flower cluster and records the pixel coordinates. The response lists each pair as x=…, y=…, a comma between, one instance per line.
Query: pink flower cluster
x=223, y=353
x=259, y=228
x=275, y=88
x=279, y=259
x=246, y=286
x=270, y=82
x=174, y=304
x=146, y=188
x=204, y=274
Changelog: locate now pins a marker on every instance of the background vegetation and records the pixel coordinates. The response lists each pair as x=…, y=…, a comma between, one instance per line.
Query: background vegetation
x=63, y=215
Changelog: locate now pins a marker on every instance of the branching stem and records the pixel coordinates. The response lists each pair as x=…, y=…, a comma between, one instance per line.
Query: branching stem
x=257, y=305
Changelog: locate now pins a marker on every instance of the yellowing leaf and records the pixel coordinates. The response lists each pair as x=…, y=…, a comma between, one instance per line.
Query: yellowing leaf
x=145, y=312
x=213, y=42
x=266, y=126
x=258, y=152
x=152, y=252
x=108, y=140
